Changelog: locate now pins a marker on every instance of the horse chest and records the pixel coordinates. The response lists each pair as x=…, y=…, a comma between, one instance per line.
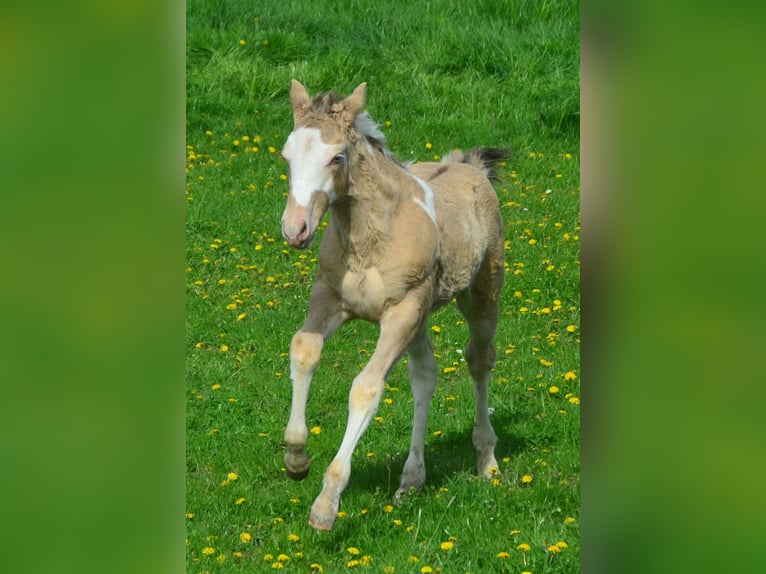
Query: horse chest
x=364, y=292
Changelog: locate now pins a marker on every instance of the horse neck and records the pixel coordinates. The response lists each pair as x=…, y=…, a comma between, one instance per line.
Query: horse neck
x=363, y=217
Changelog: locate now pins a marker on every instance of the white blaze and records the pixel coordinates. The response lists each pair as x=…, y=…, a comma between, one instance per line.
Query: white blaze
x=309, y=156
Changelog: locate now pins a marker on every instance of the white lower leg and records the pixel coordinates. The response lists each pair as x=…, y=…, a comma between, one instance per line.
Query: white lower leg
x=304, y=357
x=363, y=402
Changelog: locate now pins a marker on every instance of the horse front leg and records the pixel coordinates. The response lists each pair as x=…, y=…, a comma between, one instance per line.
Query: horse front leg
x=397, y=328
x=324, y=318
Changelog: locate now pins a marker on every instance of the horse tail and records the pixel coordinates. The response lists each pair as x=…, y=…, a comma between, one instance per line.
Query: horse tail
x=482, y=158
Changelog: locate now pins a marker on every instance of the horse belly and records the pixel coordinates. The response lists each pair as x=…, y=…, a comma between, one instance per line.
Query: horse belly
x=364, y=293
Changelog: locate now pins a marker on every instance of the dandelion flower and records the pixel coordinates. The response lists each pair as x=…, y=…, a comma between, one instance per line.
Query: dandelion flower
x=426, y=569
x=447, y=370
x=232, y=476
x=447, y=545
x=353, y=550
x=293, y=538
x=524, y=547
x=317, y=568
x=283, y=558
x=240, y=501
x=429, y=145
x=502, y=555
x=569, y=520
x=553, y=390
x=570, y=376
x=574, y=400
x=388, y=508
x=526, y=479
x=316, y=430
x=277, y=566
x=546, y=363
x=245, y=537
x=208, y=551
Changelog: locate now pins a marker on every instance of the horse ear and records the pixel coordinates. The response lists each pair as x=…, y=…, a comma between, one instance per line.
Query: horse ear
x=299, y=99
x=353, y=104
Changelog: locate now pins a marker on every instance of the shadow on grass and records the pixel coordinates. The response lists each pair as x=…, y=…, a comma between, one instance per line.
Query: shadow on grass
x=445, y=457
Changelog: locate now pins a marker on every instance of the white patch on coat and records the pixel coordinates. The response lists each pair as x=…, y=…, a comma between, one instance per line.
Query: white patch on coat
x=308, y=156
x=428, y=205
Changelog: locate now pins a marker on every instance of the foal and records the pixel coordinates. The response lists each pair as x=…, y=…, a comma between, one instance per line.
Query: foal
x=402, y=241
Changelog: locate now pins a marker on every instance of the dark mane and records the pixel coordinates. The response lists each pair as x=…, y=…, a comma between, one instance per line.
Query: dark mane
x=324, y=101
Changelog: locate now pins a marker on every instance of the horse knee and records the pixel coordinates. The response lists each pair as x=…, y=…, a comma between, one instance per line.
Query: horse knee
x=305, y=350
x=365, y=393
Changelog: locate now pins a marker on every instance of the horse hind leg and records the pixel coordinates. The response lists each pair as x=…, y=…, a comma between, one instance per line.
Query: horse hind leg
x=481, y=315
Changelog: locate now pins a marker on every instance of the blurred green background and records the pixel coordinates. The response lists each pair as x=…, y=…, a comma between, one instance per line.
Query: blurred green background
x=91, y=358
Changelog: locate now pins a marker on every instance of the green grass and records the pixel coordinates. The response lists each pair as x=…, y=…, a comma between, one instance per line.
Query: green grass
x=446, y=74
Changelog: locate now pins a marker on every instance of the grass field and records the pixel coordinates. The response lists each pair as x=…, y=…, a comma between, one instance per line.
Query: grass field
x=441, y=75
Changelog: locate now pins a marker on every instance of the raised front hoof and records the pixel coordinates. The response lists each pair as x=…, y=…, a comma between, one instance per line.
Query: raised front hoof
x=321, y=521
x=299, y=474
x=297, y=465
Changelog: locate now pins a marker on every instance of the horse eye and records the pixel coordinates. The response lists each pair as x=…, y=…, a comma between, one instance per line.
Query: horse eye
x=337, y=160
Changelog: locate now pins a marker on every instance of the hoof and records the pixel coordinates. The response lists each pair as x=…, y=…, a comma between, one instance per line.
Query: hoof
x=321, y=521
x=297, y=467
x=403, y=492
x=299, y=475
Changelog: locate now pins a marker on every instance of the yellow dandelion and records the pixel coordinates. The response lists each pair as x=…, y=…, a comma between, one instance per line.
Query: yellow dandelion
x=515, y=532
x=293, y=538
x=277, y=566
x=342, y=514
x=570, y=376
x=447, y=370
x=502, y=555
x=316, y=568
x=232, y=476
x=561, y=544
x=569, y=520
x=388, y=401
x=237, y=554
x=553, y=549
x=413, y=559
x=224, y=348
x=283, y=558
x=429, y=145
x=208, y=551
x=397, y=522
x=526, y=479
x=352, y=550
x=272, y=149
x=571, y=329
x=316, y=430
x=215, y=387
x=388, y=508
x=241, y=316
x=389, y=570
x=366, y=560
x=245, y=537
x=436, y=329
x=447, y=545
x=426, y=569
x=546, y=363
x=553, y=390
x=524, y=547
x=268, y=557
x=352, y=563
x=242, y=42
x=574, y=400
x=240, y=501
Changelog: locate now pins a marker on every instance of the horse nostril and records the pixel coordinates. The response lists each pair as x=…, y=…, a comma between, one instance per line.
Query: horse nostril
x=303, y=233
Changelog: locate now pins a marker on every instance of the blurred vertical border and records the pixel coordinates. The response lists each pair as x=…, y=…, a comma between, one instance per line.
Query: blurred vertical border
x=92, y=285
x=673, y=118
